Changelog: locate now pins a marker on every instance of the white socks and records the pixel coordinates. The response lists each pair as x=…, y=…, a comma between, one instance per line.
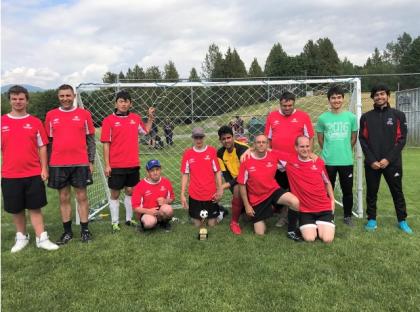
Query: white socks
x=128, y=208
x=114, y=208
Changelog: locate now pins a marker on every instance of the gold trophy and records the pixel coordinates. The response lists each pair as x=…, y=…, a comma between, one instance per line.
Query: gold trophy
x=202, y=233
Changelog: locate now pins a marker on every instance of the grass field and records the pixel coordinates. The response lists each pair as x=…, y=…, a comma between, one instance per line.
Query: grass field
x=174, y=271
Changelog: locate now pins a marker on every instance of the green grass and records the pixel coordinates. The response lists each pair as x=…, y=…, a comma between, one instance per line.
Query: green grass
x=174, y=271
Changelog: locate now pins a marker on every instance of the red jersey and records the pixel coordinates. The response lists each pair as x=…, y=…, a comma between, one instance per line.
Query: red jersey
x=258, y=176
x=68, y=130
x=201, y=166
x=20, y=139
x=122, y=132
x=146, y=193
x=282, y=130
x=307, y=181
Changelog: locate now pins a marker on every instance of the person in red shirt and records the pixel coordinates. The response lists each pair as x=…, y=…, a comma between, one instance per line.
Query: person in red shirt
x=24, y=169
x=281, y=128
x=258, y=187
x=309, y=182
x=72, y=154
x=152, y=198
x=200, y=166
x=120, y=139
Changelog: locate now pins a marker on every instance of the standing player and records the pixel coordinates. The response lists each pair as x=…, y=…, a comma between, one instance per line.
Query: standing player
x=310, y=183
x=152, y=198
x=200, y=166
x=337, y=134
x=24, y=169
x=281, y=128
x=258, y=187
x=229, y=160
x=72, y=153
x=382, y=135
x=120, y=138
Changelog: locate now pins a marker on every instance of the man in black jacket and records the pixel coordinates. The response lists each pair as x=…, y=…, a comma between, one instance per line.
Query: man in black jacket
x=383, y=132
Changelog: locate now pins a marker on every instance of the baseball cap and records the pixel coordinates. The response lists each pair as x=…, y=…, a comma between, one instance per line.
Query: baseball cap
x=152, y=164
x=198, y=132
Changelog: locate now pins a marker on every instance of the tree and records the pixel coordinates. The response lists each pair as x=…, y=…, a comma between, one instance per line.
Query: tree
x=193, y=75
x=121, y=76
x=320, y=58
x=138, y=72
x=109, y=77
x=255, y=69
x=129, y=75
x=170, y=71
x=233, y=66
x=394, y=52
x=346, y=67
x=276, y=62
x=153, y=73
x=213, y=63
x=410, y=63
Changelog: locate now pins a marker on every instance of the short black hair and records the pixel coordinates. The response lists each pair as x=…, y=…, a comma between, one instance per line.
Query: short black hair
x=379, y=87
x=288, y=96
x=123, y=94
x=16, y=89
x=335, y=90
x=66, y=87
x=224, y=130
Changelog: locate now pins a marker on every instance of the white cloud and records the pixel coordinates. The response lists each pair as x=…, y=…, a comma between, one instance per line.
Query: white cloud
x=42, y=77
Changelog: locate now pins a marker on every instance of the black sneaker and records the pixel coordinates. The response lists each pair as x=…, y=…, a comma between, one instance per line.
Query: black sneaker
x=131, y=223
x=348, y=221
x=166, y=226
x=86, y=236
x=65, y=238
x=294, y=236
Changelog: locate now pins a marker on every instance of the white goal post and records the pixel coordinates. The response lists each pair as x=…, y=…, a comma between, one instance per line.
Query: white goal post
x=185, y=105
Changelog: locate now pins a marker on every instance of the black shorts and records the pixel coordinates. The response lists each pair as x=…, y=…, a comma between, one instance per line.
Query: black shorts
x=23, y=193
x=282, y=179
x=77, y=176
x=123, y=177
x=195, y=206
x=312, y=219
x=264, y=210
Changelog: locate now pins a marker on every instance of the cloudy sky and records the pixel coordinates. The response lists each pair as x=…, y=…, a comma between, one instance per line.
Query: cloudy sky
x=48, y=42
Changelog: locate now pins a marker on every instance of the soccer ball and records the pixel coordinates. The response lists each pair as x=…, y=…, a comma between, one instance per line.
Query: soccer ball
x=204, y=214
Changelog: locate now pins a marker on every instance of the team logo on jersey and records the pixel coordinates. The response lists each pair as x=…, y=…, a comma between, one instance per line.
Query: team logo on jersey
x=269, y=164
x=390, y=122
x=27, y=126
x=191, y=160
x=162, y=188
x=117, y=124
x=252, y=169
x=207, y=157
x=296, y=165
x=56, y=121
x=132, y=122
x=148, y=193
x=276, y=122
x=314, y=167
x=294, y=120
x=5, y=128
x=76, y=118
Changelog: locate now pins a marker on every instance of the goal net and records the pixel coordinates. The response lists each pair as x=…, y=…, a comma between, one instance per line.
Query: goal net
x=181, y=106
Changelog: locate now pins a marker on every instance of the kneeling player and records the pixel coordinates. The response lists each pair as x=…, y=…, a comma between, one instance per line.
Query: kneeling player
x=258, y=187
x=309, y=182
x=152, y=197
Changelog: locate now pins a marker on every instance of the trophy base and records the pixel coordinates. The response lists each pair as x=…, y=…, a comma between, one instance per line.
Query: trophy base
x=203, y=234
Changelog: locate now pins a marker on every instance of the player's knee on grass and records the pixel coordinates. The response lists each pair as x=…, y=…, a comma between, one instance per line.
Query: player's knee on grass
x=309, y=232
x=129, y=191
x=326, y=232
x=212, y=221
x=166, y=211
x=149, y=222
x=259, y=228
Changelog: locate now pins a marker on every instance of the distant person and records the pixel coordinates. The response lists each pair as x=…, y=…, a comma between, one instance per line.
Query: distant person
x=282, y=127
x=152, y=198
x=259, y=190
x=168, y=130
x=153, y=133
x=71, y=163
x=24, y=169
x=382, y=135
x=229, y=160
x=201, y=172
x=239, y=126
x=309, y=182
x=120, y=138
x=337, y=134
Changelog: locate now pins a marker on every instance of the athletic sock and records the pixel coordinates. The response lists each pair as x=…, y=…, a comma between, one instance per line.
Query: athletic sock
x=84, y=226
x=236, y=209
x=67, y=227
x=128, y=208
x=292, y=218
x=114, y=209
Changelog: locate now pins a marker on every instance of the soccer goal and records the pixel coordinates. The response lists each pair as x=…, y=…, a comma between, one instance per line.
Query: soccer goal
x=181, y=106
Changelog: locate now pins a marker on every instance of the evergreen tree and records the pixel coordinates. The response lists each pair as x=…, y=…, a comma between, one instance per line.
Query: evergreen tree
x=109, y=77
x=129, y=75
x=410, y=63
x=213, y=63
x=255, y=69
x=153, y=73
x=138, y=72
x=276, y=62
x=394, y=52
x=170, y=71
x=121, y=76
x=193, y=75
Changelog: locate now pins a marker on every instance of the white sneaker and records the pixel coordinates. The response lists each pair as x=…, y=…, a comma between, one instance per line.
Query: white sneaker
x=44, y=242
x=21, y=242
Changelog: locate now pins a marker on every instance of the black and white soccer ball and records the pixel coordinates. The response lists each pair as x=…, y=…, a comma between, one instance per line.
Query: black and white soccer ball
x=204, y=214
